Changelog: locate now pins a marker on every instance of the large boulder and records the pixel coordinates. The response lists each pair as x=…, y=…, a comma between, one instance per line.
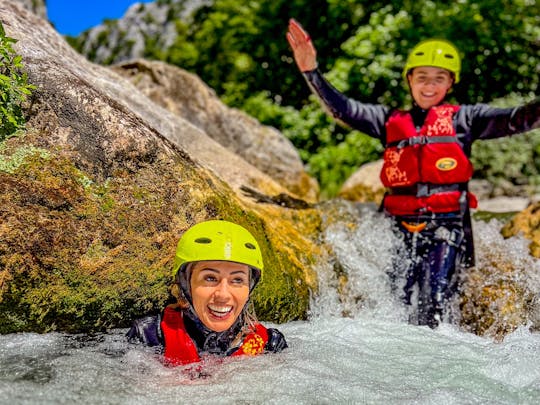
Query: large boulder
x=187, y=96
x=364, y=185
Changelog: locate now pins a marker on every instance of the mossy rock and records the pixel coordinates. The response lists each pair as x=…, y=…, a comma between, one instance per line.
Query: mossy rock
x=83, y=254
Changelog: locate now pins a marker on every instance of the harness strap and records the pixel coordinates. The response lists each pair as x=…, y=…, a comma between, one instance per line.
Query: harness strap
x=427, y=189
x=422, y=140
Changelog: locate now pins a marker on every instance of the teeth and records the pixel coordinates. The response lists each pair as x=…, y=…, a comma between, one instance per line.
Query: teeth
x=220, y=310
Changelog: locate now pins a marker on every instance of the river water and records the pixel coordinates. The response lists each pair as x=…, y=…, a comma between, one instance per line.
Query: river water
x=370, y=356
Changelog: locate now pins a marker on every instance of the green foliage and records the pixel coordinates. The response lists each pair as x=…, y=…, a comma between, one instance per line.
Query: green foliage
x=333, y=164
x=14, y=87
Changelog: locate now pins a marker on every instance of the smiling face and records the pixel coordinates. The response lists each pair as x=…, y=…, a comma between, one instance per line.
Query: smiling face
x=219, y=291
x=429, y=85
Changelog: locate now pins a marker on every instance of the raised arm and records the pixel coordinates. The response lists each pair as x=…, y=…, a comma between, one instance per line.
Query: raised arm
x=304, y=52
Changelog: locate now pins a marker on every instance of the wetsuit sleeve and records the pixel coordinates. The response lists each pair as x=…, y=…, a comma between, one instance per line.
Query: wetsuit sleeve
x=146, y=330
x=276, y=341
x=485, y=122
x=367, y=118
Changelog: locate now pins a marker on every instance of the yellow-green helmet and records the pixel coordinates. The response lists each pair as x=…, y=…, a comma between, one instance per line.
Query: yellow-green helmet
x=437, y=53
x=219, y=240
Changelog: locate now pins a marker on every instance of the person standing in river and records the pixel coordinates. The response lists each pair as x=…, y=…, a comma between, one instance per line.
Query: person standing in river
x=426, y=166
x=217, y=266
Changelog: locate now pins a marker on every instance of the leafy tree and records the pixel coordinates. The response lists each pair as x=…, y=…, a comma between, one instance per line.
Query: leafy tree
x=14, y=87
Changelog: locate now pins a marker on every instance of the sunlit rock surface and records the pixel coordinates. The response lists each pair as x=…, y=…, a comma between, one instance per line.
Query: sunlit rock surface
x=185, y=95
x=36, y=6
x=126, y=38
x=502, y=292
x=364, y=185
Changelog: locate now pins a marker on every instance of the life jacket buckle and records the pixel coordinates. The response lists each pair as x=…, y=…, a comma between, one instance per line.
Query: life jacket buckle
x=412, y=227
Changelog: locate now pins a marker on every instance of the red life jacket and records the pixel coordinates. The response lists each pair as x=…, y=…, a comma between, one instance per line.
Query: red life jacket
x=180, y=348
x=426, y=170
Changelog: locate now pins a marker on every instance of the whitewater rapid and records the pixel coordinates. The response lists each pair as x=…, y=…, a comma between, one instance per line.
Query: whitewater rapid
x=351, y=351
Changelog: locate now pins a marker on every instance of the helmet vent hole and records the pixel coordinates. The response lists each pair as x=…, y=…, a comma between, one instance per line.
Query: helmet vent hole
x=419, y=53
x=449, y=56
x=203, y=240
x=250, y=246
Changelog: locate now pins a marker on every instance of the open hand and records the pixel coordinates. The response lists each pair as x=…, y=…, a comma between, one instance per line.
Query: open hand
x=304, y=52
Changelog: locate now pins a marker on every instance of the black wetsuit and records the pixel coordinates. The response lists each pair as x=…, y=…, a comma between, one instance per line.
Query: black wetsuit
x=446, y=244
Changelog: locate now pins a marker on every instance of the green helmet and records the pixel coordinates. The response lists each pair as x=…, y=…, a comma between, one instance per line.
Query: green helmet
x=437, y=53
x=219, y=240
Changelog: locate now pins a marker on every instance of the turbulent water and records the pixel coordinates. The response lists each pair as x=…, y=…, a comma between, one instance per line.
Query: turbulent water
x=370, y=356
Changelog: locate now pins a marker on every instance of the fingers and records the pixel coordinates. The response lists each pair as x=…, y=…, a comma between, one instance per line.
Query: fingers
x=297, y=34
x=304, y=52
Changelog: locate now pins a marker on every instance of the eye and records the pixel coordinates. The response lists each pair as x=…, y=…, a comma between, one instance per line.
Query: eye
x=239, y=280
x=210, y=278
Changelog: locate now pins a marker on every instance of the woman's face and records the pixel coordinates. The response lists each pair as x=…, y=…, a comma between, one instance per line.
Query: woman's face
x=219, y=291
x=429, y=85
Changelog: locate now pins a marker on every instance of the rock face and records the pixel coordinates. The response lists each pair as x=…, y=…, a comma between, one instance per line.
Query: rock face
x=97, y=192
x=527, y=222
x=125, y=38
x=186, y=96
x=36, y=6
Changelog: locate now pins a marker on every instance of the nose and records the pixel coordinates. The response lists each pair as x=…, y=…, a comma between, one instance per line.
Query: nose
x=430, y=82
x=222, y=291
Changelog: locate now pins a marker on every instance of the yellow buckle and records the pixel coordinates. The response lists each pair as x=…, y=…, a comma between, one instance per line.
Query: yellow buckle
x=414, y=227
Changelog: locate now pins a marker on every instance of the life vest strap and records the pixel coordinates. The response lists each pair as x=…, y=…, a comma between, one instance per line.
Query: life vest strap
x=427, y=189
x=422, y=140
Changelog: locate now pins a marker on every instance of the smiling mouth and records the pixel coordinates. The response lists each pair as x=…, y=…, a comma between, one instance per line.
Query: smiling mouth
x=219, y=311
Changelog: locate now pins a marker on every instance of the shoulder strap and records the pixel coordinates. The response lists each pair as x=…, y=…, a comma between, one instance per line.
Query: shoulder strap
x=179, y=347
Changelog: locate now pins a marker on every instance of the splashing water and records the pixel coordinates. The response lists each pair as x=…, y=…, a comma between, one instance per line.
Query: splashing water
x=369, y=356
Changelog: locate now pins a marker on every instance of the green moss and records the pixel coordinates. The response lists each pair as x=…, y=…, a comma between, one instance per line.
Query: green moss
x=83, y=254
x=10, y=161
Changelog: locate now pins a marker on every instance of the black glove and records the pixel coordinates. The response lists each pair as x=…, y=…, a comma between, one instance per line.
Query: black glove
x=276, y=341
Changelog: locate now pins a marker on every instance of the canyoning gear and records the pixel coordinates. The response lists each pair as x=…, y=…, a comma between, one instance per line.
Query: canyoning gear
x=437, y=53
x=426, y=169
x=216, y=240
x=414, y=227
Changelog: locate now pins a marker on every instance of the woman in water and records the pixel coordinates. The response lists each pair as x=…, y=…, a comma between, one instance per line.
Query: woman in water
x=217, y=266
